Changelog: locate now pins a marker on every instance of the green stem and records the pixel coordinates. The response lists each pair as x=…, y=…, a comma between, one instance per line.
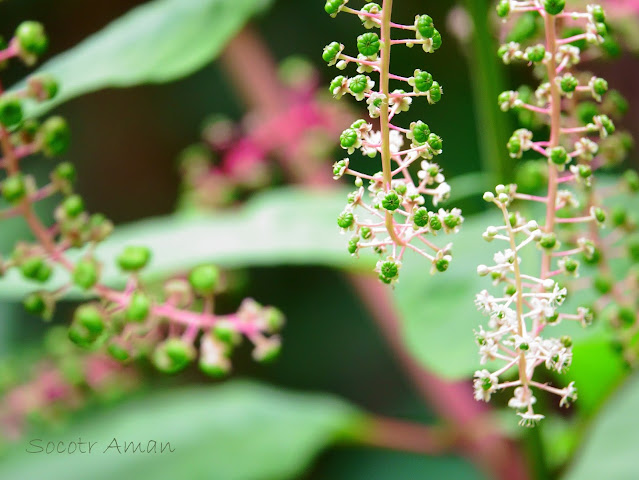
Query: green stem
x=487, y=83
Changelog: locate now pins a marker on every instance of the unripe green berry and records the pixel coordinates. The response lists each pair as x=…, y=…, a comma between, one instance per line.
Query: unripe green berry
x=435, y=223
x=627, y=316
x=425, y=26
x=173, y=355
x=503, y=8
x=134, y=258
x=35, y=303
x=10, y=111
x=368, y=44
x=452, y=221
x=348, y=138
x=554, y=7
x=35, y=268
x=358, y=84
x=599, y=86
x=73, y=206
x=333, y=7
x=442, y=265
x=65, y=171
x=139, y=307
x=204, y=279
x=514, y=146
x=631, y=178
x=345, y=220
x=633, y=249
x=603, y=284
x=367, y=233
x=85, y=274
x=274, y=319
x=566, y=341
x=353, y=245
x=32, y=39
x=423, y=81
x=88, y=324
x=510, y=290
x=435, y=93
x=558, y=155
x=336, y=83
x=619, y=216
x=437, y=40
x=55, y=136
x=599, y=214
x=598, y=14
x=571, y=265
x=391, y=201
x=331, y=51
x=420, y=132
x=421, y=217
x=14, y=188
x=435, y=142
x=607, y=124
x=536, y=53
x=389, y=269
x=585, y=171
x=548, y=241
x=118, y=352
x=568, y=83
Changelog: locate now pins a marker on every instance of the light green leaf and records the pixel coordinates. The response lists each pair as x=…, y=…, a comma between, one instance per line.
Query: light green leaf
x=610, y=449
x=235, y=431
x=285, y=226
x=159, y=41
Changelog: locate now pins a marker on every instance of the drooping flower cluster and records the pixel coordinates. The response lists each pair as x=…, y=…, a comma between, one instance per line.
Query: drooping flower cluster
x=128, y=324
x=530, y=302
x=387, y=210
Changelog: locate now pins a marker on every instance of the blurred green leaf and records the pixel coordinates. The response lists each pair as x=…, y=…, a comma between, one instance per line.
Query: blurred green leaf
x=157, y=42
x=610, y=449
x=284, y=226
x=236, y=431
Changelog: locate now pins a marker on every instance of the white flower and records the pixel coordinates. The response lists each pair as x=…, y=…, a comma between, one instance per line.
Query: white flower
x=523, y=398
x=569, y=395
x=488, y=350
x=485, y=384
x=529, y=419
x=396, y=141
x=484, y=301
x=441, y=193
x=431, y=173
x=373, y=104
x=372, y=141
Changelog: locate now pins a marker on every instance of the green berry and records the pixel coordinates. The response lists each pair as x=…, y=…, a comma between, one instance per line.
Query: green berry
x=391, y=201
x=435, y=223
x=619, y=216
x=35, y=268
x=554, y=7
x=14, y=188
x=514, y=146
x=358, y=84
x=204, y=279
x=566, y=341
x=607, y=124
x=435, y=93
x=599, y=86
x=32, y=38
x=421, y=217
x=134, y=258
x=425, y=26
x=437, y=40
x=337, y=82
x=631, y=178
x=452, y=221
x=333, y=7
x=35, y=303
x=598, y=14
x=118, y=352
x=173, y=355
x=65, y=171
x=536, y=53
x=442, y=265
x=503, y=8
x=331, y=51
x=353, y=245
x=368, y=44
x=627, y=316
x=345, y=220
x=85, y=274
x=73, y=206
x=599, y=214
x=423, y=81
x=274, y=319
x=603, y=284
x=55, y=136
x=348, y=138
x=366, y=233
x=558, y=155
x=571, y=265
x=568, y=83
x=420, y=132
x=88, y=324
x=436, y=143
x=585, y=171
x=389, y=269
x=139, y=307
x=10, y=111
x=548, y=241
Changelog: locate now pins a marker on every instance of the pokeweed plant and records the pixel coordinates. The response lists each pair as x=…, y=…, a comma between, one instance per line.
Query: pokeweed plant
x=530, y=301
x=394, y=219
x=129, y=323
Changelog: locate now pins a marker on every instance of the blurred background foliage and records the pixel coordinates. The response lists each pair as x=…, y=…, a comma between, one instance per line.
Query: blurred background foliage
x=126, y=145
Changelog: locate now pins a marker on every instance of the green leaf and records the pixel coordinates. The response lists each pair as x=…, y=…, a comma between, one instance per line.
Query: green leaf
x=157, y=42
x=236, y=431
x=610, y=449
x=284, y=226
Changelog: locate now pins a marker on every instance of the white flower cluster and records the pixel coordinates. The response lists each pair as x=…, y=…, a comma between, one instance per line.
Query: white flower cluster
x=518, y=318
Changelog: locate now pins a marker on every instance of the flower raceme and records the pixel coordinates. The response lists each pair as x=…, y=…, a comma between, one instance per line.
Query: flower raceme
x=389, y=213
x=530, y=303
x=129, y=323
